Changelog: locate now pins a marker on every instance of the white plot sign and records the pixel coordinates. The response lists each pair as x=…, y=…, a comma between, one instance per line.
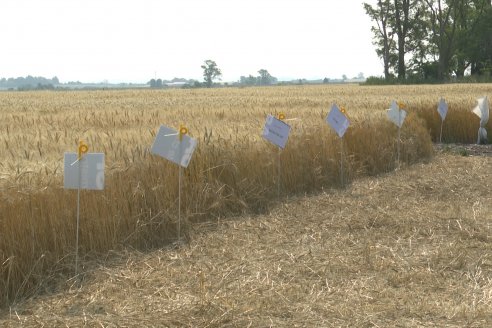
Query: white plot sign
x=396, y=115
x=482, y=111
x=91, y=172
x=167, y=144
x=442, y=109
x=276, y=131
x=338, y=121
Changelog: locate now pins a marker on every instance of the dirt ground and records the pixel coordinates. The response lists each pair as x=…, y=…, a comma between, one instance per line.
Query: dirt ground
x=412, y=248
x=465, y=149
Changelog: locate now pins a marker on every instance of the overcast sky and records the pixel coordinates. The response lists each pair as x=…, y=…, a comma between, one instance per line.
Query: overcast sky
x=136, y=40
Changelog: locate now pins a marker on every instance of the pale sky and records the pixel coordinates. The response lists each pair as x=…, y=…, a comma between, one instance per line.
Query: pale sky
x=136, y=40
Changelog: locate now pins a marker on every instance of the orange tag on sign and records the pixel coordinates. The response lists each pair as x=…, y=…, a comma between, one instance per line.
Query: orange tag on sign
x=182, y=131
x=83, y=148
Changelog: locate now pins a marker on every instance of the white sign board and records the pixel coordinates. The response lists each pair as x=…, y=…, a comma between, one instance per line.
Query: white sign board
x=168, y=145
x=396, y=115
x=482, y=111
x=338, y=121
x=276, y=131
x=442, y=108
x=91, y=171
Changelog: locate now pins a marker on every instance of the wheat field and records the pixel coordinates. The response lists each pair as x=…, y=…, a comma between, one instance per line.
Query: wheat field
x=233, y=170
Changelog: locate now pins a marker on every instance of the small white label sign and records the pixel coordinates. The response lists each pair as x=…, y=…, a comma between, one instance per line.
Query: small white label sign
x=91, y=171
x=338, y=121
x=276, y=131
x=168, y=145
x=482, y=111
x=396, y=115
x=442, y=108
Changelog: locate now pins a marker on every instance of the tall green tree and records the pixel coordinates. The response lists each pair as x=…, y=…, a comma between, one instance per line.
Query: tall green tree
x=422, y=52
x=210, y=72
x=443, y=31
x=439, y=37
x=397, y=32
x=480, y=36
x=265, y=77
x=463, y=40
x=383, y=34
x=407, y=26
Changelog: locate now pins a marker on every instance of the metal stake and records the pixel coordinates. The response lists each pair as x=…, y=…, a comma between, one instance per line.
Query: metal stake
x=399, y=134
x=341, y=162
x=440, y=136
x=179, y=202
x=78, y=220
x=279, y=173
x=398, y=158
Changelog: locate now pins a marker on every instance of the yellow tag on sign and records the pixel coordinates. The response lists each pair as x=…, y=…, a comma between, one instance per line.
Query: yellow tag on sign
x=83, y=148
x=182, y=131
x=281, y=116
x=401, y=105
x=343, y=110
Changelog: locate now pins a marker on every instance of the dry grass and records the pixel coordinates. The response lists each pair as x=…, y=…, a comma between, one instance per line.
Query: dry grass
x=232, y=172
x=408, y=249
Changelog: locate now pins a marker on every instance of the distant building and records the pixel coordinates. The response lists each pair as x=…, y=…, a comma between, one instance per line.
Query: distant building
x=354, y=80
x=175, y=84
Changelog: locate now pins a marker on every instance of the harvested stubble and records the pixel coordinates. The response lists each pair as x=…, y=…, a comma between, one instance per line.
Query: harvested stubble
x=232, y=171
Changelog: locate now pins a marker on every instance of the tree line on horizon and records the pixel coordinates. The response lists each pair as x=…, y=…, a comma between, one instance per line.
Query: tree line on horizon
x=29, y=83
x=432, y=40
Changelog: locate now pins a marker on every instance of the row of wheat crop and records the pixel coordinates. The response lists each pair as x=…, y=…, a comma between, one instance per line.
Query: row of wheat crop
x=233, y=169
x=460, y=125
x=36, y=128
